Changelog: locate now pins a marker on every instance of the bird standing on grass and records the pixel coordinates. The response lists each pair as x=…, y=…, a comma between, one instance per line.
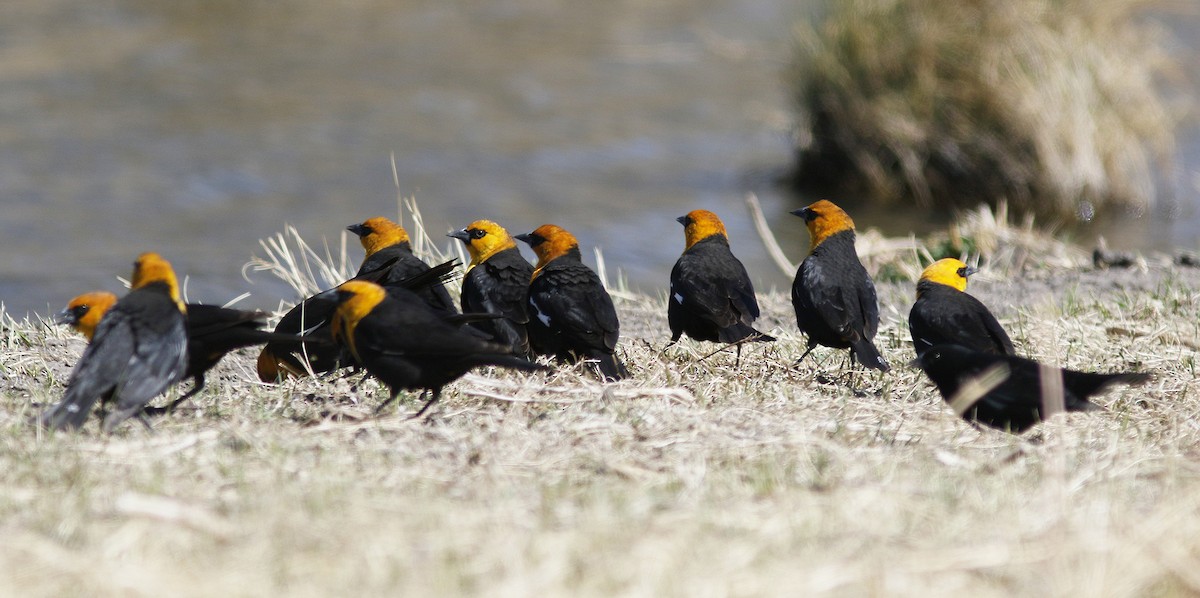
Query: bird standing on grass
x=945, y=314
x=496, y=282
x=139, y=349
x=711, y=296
x=833, y=294
x=1007, y=392
x=572, y=317
x=212, y=331
x=406, y=345
x=311, y=320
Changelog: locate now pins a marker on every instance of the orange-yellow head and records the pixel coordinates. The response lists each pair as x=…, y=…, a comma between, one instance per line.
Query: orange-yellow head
x=83, y=313
x=151, y=268
x=378, y=233
x=483, y=239
x=950, y=272
x=356, y=299
x=824, y=219
x=550, y=241
x=699, y=225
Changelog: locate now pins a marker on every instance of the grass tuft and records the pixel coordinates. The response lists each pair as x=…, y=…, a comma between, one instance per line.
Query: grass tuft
x=1060, y=108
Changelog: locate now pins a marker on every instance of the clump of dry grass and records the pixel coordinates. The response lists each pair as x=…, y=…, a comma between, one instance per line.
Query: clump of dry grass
x=1053, y=106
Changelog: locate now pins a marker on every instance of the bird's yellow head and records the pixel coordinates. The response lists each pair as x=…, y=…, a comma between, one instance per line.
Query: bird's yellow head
x=378, y=233
x=483, y=239
x=824, y=219
x=151, y=268
x=83, y=313
x=549, y=241
x=356, y=299
x=948, y=271
x=699, y=225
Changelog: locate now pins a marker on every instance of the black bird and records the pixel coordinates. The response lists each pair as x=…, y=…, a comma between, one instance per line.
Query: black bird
x=1011, y=386
x=496, y=282
x=945, y=314
x=711, y=297
x=138, y=351
x=406, y=345
x=833, y=295
x=572, y=317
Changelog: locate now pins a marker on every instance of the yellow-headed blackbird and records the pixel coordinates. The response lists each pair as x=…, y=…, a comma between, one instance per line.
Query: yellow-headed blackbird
x=945, y=314
x=405, y=344
x=139, y=350
x=496, y=282
x=212, y=331
x=1013, y=397
x=83, y=313
x=711, y=296
x=312, y=318
x=385, y=241
x=573, y=316
x=833, y=294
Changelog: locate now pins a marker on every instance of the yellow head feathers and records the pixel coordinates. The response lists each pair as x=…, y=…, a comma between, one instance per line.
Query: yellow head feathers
x=699, y=225
x=950, y=272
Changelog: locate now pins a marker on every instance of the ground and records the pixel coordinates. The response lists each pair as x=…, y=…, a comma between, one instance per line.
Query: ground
x=698, y=477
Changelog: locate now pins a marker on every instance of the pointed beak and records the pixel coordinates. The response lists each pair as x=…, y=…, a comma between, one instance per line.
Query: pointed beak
x=64, y=317
x=804, y=213
x=969, y=271
x=526, y=238
x=461, y=235
x=682, y=220
x=357, y=229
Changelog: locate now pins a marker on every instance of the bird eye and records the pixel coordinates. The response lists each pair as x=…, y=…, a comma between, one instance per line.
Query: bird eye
x=477, y=233
x=962, y=272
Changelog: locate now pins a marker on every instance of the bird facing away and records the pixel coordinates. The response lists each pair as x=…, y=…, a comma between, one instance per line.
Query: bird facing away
x=945, y=314
x=832, y=293
x=711, y=297
x=496, y=282
x=402, y=342
x=212, y=331
x=385, y=241
x=1007, y=392
x=572, y=317
x=138, y=350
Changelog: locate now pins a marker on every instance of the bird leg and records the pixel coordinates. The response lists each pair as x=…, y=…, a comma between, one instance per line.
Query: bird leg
x=437, y=394
x=811, y=346
x=395, y=393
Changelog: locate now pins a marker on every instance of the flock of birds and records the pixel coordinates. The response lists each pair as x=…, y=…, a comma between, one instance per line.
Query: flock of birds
x=395, y=320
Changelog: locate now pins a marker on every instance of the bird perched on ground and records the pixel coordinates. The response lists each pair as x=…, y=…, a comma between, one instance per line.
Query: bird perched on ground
x=385, y=241
x=711, y=297
x=311, y=320
x=1005, y=391
x=406, y=345
x=572, y=317
x=496, y=282
x=945, y=314
x=833, y=294
x=139, y=349
x=212, y=331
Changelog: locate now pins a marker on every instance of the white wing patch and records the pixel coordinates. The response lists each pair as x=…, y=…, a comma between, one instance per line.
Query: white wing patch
x=678, y=298
x=545, y=319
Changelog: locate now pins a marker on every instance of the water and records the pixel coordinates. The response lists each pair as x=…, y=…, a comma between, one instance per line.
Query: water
x=196, y=128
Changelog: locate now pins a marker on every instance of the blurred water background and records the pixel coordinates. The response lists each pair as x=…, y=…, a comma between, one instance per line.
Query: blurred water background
x=197, y=127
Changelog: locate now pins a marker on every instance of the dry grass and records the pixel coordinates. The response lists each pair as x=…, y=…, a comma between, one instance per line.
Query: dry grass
x=696, y=478
x=1057, y=107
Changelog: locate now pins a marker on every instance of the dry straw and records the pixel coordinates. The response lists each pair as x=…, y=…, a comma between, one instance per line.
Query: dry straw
x=1055, y=106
